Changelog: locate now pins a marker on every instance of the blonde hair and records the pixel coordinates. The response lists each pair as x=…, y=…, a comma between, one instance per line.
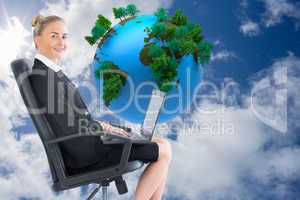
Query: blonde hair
x=39, y=23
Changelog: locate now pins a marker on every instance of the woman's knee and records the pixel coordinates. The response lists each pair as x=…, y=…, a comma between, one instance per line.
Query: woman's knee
x=165, y=149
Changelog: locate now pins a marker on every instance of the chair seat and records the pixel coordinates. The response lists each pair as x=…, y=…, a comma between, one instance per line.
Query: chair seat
x=133, y=165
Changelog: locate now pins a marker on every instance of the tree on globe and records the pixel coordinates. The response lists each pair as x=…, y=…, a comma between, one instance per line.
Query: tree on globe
x=147, y=52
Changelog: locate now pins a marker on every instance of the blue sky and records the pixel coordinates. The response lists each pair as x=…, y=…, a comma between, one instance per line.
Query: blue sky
x=257, y=50
x=221, y=20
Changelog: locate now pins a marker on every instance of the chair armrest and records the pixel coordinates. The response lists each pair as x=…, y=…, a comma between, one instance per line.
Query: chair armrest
x=68, y=137
x=106, y=138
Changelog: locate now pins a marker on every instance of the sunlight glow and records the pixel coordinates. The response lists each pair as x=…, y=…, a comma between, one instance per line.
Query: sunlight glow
x=12, y=40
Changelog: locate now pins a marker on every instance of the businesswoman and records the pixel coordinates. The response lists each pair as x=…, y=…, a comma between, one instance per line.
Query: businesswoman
x=51, y=41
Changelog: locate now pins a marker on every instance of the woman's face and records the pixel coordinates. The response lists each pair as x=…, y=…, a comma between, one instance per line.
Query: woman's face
x=53, y=41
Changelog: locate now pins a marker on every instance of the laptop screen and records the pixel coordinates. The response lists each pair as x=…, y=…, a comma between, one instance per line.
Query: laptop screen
x=152, y=112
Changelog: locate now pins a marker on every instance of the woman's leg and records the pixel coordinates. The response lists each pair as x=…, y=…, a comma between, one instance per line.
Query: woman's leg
x=160, y=190
x=152, y=181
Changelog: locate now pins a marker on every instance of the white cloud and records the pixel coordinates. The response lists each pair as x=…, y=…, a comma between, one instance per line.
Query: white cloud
x=280, y=163
x=206, y=162
x=211, y=163
x=276, y=10
x=13, y=43
x=223, y=55
x=217, y=42
x=249, y=28
x=244, y=3
x=274, y=13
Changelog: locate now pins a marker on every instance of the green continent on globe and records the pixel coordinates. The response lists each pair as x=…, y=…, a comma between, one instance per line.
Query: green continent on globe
x=114, y=79
x=167, y=42
x=171, y=38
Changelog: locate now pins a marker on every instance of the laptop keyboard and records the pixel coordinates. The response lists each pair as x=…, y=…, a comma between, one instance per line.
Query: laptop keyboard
x=136, y=136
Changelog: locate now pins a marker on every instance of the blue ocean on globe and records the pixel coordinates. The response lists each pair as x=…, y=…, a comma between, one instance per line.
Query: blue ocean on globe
x=123, y=49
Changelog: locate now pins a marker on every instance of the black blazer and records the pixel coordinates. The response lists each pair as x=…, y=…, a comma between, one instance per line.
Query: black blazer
x=65, y=110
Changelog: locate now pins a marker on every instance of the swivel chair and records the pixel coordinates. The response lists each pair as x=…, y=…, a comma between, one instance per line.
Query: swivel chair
x=62, y=179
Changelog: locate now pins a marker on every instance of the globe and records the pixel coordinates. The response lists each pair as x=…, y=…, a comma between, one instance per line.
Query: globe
x=123, y=48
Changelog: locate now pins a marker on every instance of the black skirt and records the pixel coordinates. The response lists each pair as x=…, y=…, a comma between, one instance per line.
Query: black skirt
x=142, y=152
x=112, y=156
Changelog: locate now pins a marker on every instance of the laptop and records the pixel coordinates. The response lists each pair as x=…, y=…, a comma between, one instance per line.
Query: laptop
x=151, y=117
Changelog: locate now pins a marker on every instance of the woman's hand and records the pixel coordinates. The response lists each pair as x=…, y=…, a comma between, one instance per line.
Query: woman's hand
x=113, y=130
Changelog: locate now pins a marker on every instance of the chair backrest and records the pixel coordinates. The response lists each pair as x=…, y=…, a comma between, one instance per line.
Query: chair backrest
x=22, y=74
x=59, y=174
